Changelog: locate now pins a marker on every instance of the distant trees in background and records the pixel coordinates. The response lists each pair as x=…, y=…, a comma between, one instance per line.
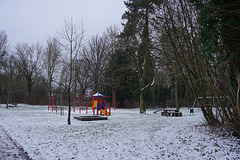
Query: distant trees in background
x=168, y=54
x=29, y=64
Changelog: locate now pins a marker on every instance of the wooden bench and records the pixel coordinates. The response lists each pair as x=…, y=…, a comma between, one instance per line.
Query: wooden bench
x=174, y=114
x=171, y=113
x=166, y=111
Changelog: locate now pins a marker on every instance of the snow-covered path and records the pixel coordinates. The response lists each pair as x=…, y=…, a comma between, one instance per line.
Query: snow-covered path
x=125, y=135
x=9, y=149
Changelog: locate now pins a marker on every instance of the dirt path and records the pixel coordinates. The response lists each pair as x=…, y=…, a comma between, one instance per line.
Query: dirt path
x=9, y=149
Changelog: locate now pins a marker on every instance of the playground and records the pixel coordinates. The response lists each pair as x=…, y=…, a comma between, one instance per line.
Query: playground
x=98, y=106
x=126, y=134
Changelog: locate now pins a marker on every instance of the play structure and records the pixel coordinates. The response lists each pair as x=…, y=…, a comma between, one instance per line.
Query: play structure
x=100, y=105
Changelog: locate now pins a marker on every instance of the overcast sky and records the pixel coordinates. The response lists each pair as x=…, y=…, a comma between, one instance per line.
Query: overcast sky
x=34, y=21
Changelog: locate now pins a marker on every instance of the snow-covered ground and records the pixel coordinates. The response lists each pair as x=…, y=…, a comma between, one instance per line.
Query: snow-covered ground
x=125, y=135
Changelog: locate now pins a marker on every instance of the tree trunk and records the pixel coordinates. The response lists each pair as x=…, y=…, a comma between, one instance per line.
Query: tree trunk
x=69, y=107
x=238, y=95
x=50, y=91
x=61, y=94
x=29, y=86
x=176, y=94
x=8, y=94
x=10, y=89
x=113, y=95
x=209, y=116
x=143, y=104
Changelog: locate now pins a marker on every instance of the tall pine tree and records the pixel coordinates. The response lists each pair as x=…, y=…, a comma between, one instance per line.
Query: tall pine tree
x=137, y=31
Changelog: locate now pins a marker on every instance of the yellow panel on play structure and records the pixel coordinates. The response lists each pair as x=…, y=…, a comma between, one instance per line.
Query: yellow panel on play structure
x=104, y=112
x=95, y=104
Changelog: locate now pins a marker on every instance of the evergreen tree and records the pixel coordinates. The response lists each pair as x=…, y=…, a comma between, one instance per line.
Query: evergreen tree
x=124, y=80
x=137, y=31
x=219, y=33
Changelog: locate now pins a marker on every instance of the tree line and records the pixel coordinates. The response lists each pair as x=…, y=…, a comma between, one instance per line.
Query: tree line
x=169, y=53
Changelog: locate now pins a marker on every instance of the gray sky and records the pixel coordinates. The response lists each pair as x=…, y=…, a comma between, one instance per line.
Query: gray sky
x=34, y=21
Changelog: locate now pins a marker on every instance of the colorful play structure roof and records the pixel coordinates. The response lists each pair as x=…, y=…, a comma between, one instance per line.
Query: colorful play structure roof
x=97, y=95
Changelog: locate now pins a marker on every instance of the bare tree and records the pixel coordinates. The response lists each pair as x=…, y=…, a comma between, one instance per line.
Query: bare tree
x=71, y=39
x=82, y=75
x=28, y=62
x=3, y=46
x=51, y=62
x=9, y=67
x=3, y=59
x=95, y=56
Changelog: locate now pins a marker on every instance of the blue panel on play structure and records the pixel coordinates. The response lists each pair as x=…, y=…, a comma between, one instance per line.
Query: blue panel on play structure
x=99, y=105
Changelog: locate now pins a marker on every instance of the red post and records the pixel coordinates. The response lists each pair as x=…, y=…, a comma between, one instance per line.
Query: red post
x=109, y=110
x=101, y=107
x=114, y=100
x=97, y=104
x=80, y=107
x=86, y=108
x=52, y=103
x=105, y=107
x=48, y=106
x=74, y=104
x=92, y=99
x=93, y=109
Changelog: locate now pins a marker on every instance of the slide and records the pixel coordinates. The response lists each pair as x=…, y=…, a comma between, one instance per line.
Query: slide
x=103, y=112
x=158, y=110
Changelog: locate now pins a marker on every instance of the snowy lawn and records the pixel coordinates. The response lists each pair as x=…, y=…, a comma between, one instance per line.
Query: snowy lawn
x=125, y=135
